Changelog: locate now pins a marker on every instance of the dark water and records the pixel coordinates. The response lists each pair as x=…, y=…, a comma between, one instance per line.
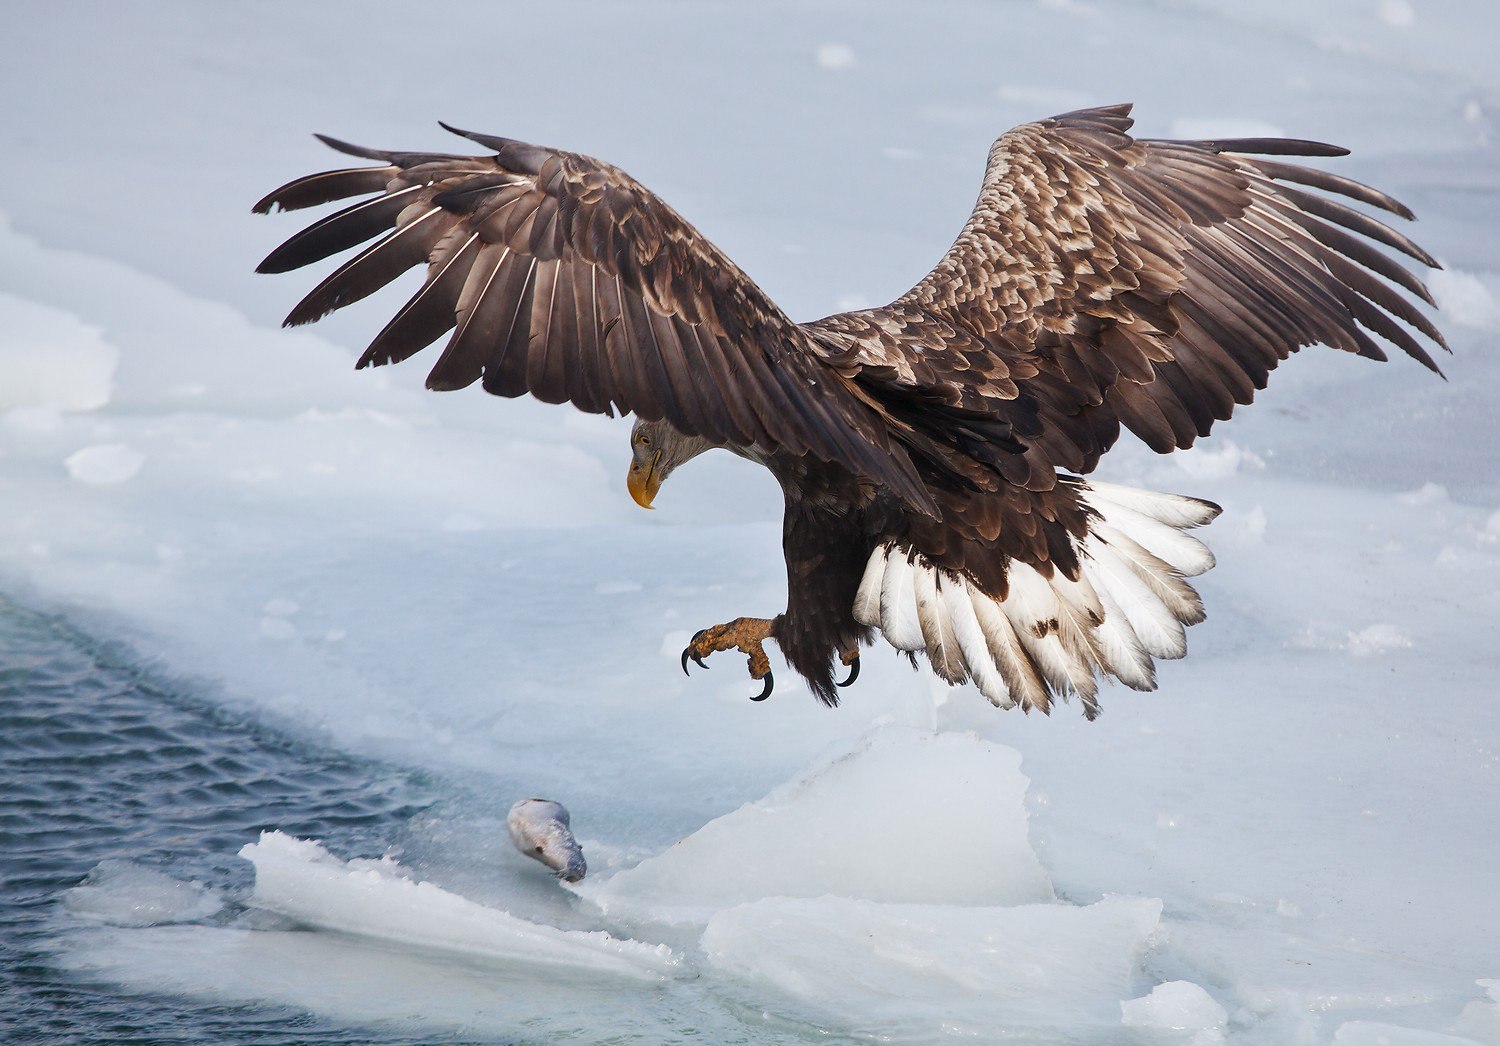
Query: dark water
x=99, y=761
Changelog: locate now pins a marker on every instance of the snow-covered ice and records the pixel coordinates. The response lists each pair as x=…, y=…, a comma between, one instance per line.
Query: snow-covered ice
x=1293, y=840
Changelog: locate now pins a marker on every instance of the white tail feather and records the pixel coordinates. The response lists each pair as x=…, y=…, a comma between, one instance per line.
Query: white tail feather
x=1160, y=633
x=1023, y=685
x=1036, y=614
x=1165, y=583
x=959, y=597
x=1175, y=510
x=937, y=629
x=1187, y=555
x=1054, y=635
x=1121, y=650
x=898, y=604
x=867, y=599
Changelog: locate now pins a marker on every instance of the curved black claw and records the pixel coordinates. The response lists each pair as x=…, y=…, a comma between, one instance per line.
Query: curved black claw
x=688, y=653
x=853, y=673
x=770, y=683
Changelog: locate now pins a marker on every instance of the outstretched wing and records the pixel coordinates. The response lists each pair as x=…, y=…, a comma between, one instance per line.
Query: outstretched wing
x=563, y=277
x=1104, y=280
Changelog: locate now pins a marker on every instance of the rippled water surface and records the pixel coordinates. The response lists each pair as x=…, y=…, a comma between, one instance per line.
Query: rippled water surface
x=100, y=762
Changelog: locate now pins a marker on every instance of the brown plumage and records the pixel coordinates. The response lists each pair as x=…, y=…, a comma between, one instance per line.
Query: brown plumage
x=936, y=443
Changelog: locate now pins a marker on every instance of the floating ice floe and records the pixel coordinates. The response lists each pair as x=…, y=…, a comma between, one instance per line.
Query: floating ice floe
x=122, y=893
x=301, y=880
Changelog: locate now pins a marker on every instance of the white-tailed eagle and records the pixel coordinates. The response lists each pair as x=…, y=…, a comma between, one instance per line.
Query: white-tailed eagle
x=931, y=451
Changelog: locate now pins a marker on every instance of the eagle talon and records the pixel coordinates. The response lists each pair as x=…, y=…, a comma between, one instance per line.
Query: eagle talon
x=766, y=692
x=745, y=634
x=853, y=664
x=690, y=653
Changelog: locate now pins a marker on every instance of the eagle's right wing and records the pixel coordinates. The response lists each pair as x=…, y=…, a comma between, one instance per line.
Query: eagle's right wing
x=563, y=277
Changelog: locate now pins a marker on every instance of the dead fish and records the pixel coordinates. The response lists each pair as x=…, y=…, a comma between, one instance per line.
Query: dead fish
x=539, y=829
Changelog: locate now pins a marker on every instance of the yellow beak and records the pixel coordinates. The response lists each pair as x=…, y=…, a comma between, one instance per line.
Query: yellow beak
x=644, y=482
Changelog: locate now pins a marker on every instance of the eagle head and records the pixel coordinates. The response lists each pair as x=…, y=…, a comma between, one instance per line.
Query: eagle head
x=656, y=448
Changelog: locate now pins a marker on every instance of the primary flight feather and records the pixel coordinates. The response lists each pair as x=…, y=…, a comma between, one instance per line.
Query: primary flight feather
x=931, y=452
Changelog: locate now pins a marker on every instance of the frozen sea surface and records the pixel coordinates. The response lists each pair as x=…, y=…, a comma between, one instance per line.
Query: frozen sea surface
x=248, y=590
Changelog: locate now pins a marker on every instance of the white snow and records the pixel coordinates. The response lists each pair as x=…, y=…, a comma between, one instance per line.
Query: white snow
x=1299, y=835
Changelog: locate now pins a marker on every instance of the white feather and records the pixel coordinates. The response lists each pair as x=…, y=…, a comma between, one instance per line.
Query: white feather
x=867, y=599
x=1033, y=609
x=1120, y=649
x=937, y=629
x=1023, y=684
x=1186, y=554
x=1165, y=582
x=898, y=604
x=1158, y=630
x=959, y=598
x=1174, y=510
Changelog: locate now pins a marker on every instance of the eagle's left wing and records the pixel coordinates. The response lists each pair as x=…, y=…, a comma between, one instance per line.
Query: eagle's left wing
x=1104, y=280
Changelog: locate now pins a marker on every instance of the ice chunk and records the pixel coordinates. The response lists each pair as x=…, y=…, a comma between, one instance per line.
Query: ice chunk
x=902, y=816
x=303, y=881
x=1180, y=1012
x=910, y=969
x=122, y=893
x=49, y=358
x=106, y=464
